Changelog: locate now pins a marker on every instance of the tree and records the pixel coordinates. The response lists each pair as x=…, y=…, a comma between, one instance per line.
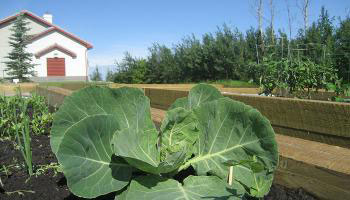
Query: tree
x=109, y=75
x=304, y=8
x=259, y=14
x=272, y=18
x=96, y=75
x=19, y=65
x=290, y=24
x=342, y=49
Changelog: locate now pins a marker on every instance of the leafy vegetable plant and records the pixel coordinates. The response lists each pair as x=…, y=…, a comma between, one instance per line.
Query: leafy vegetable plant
x=35, y=108
x=105, y=141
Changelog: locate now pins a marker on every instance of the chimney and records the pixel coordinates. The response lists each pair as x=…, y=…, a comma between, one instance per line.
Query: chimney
x=48, y=17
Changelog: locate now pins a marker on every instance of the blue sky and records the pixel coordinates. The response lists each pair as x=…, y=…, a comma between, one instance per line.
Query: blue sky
x=115, y=26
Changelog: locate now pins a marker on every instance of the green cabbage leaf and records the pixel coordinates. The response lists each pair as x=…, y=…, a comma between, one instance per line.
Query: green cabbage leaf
x=105, y=141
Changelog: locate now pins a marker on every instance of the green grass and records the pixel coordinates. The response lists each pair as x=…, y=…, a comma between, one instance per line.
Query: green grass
x=235, y=84
x=71, y=85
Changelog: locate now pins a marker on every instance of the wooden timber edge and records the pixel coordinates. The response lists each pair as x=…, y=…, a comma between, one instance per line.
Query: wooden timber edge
x=321, y=169
x=10, y=88
x=54, y=95
x=320, y=121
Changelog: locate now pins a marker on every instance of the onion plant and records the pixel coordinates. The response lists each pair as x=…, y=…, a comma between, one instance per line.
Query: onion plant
x=24, y=139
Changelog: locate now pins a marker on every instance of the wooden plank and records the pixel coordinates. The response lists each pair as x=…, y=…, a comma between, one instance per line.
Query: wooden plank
x=321, y=117
x=54, y=95
x=318, y=137
x=297, y=118
x=314, y=116
x=10, y=88
x=320, y=189
x=163, y=98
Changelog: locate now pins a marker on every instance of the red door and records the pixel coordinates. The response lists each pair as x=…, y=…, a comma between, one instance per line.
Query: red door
x=56, y=67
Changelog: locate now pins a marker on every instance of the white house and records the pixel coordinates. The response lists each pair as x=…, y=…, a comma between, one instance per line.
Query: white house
x=58, y=54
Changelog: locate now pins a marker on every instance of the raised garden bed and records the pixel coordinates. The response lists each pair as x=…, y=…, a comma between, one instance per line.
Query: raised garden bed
x=52, y=185
x=319, y=166
x=48, y=183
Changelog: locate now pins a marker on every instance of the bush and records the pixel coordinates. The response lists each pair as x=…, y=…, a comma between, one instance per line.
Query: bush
x=293, y=75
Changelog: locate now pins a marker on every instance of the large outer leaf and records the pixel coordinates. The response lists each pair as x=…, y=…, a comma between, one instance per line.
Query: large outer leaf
x=137, y=144
x=82, y=132
x=179, y=127
x=87, y=158
x=96, y=101
x=195, y=187
x=199, y=94
x=202, y=93
x=231, y=130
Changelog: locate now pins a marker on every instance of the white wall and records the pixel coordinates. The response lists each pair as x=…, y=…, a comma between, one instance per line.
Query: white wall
x=74, y=66
x=5, y=33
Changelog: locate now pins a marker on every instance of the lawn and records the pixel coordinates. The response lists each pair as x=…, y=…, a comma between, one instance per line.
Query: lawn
x=235, y=84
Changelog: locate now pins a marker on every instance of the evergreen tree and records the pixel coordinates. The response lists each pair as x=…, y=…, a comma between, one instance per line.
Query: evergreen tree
x=110, y=75
x=96, y=75
x=342, y=49
x=19, y=65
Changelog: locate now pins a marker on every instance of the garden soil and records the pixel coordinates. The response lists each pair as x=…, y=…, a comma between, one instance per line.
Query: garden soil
x=53, y=186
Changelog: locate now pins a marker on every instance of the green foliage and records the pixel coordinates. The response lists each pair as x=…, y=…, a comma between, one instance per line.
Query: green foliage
x=340, y=89
x=33, y=107
x=130, y=70
x=19, y=65
x=313, y=76
x=342, y=49
x=229, y=54
x=109, y=76
x=24, y=141
x=218, y=56
x=194, y=187
x=236, y=84
x=293, y=75
x=111, y=144
x=96, y=75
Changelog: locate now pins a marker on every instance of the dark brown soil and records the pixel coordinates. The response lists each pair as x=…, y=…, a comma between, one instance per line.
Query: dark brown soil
x=283, y=193
x=51, y=186
x=46, y=186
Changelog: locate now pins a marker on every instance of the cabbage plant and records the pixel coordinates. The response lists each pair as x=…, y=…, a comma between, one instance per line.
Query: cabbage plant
x=106, y=141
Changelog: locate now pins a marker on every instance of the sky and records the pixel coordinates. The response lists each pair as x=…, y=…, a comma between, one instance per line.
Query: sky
x=115, y=26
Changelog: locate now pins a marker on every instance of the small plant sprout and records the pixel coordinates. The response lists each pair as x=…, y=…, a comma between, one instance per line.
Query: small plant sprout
x=208, y=146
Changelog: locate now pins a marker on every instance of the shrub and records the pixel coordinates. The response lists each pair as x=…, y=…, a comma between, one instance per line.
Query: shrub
x=294, y=75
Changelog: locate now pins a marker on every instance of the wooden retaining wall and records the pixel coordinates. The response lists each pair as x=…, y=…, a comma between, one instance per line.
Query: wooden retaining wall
x=322, y=121
x=312, y=136
x=11, y=89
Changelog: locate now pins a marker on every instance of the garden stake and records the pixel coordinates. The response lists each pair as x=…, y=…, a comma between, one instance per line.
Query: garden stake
x=230, y=175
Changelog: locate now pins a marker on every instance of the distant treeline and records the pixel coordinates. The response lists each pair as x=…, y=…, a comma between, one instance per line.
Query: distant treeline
x=231, y=54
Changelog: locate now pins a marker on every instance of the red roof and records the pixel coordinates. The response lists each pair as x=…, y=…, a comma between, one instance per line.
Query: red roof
x=52, y=28
x=53, y=47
